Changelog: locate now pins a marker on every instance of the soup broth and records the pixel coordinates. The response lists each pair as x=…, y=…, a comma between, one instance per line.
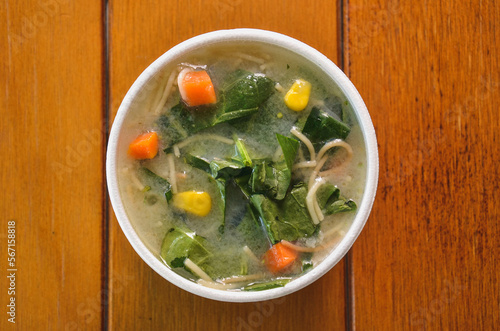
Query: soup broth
x=244, y=192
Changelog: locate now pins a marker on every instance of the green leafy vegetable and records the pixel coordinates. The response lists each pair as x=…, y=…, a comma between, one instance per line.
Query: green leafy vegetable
x=270, y=178
x=295, y=210
x=182, y=123
x=330, y=200
x=285, y=220
x=289, y=146
x=321, y=127
x=242, y=183
x=180, y=244
x=226, y=168
x=253, y=233
x=244, y=90
x=340, y=206
x=273, y=178
x=327, y=193
x=306, y=266
x=197, y=162
x=235, y=114
x=155, y=183
x=242, y=152
x=263, y=178
x=267, y=285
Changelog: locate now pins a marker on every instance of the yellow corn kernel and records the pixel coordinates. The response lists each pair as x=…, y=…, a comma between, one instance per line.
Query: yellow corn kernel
x=197, y=203
x=298, y=96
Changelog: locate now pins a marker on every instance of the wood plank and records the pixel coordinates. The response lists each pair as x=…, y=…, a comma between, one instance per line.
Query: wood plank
x=429, y=73
x=141, y=33
x=51, y=156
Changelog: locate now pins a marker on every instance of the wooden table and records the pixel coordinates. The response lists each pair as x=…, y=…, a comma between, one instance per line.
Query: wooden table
x=428, y=258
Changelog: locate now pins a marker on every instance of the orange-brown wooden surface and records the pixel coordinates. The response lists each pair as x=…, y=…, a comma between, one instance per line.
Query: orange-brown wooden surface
x=429, y=73
x=51, y=160
x=428, y=257
x=139, y=33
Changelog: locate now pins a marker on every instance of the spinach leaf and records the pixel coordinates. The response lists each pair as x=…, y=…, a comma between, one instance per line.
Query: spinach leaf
x=273, y=178
x=223, y=264
x=327, y=193
x=295, y=210
x=321, y=127
x=340, y=206
x=285, y=220
x=180, y=244
x=267, y=285
x=307, y=266
x=245, y=91
x=253, y=233
x=242, y=183
x=263, y=179
x=183, y=122
x=289, y=146
x=242, y=94
x=270, y=178
x=197, y=162
x=154, y=182
x=283, y=178
x=335, y=104
x=233, y=115
x=242, y=152
x=330, y=200
x=227, y=168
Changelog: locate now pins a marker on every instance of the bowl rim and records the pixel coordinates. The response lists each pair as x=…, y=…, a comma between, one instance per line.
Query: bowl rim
x=343, y=83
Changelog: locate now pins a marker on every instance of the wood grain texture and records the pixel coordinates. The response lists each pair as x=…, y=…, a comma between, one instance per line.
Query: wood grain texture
x=139, y=33
x=429, y=74
x=51, y=156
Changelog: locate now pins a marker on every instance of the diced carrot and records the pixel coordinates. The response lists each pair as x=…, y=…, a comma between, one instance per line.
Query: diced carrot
x=278, y=257
x=196, y=88
x=144, y=147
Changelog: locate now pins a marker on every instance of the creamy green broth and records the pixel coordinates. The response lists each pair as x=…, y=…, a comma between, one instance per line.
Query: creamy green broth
x=151, y=215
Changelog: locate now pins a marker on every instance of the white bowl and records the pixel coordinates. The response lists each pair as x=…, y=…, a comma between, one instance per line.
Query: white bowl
x=294, y=46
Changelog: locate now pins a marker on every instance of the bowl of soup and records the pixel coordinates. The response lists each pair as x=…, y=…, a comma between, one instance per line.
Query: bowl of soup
x=242, y=165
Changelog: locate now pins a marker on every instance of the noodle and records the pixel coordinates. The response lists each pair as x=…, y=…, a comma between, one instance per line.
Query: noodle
x=304, y=164
x=336, y=143
x=309, y=249
x=177, y=152
x=218, y=286
x=197, y=270
x=245, y=278
x=171, y=166
x=166, y=93
x=315, y=172
x=250, y=254
x=306, y=142
x=311, y=196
